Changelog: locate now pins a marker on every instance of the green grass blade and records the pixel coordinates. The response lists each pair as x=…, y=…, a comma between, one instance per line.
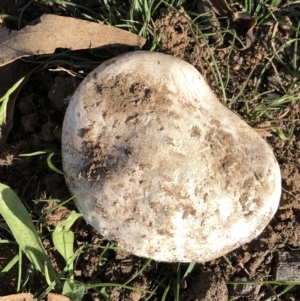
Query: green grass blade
x=72, y=290
x=50, y=153
x=60, y=276
x=289, y=135
x=4, y=99
x=119, y=285
x=164, y=296
x=50, y=164
x=19, y=269
x=9, y=266
x=38, y=153
x=63, y=239
x=20, y=224
x=188, y=271
x=286, y=289
x=139, y=272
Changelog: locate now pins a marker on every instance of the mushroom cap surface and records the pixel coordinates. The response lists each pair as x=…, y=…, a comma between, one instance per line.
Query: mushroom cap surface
x=160, y=166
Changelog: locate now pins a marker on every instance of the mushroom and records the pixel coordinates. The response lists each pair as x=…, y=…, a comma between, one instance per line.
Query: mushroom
x=160, y=166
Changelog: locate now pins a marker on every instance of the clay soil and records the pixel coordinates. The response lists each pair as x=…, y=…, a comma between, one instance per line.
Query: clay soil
x=37, y=124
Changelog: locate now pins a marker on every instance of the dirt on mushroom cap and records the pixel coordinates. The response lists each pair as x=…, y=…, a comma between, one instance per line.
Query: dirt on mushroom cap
x=159, y=165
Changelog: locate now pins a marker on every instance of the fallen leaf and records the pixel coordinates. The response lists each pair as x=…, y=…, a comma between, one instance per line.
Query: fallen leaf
x=52, y=31
x=19, y=297
x=56, y=297
x=247, y=24
x=242, y=19
x=29, y=297
x=220, y=7
x=49, y=32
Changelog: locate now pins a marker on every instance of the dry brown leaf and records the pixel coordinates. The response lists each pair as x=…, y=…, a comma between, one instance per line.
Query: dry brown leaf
x=220, y=7
x=52, y=31
x=18, y=297
x=29, y=297
x=243, y=20
x=49, y=33
x=247, y=24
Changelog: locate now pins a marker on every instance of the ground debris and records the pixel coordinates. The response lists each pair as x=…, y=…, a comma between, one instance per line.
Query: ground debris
x=288, y=266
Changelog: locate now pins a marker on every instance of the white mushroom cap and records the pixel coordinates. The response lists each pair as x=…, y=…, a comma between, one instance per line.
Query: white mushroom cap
x=160, y=166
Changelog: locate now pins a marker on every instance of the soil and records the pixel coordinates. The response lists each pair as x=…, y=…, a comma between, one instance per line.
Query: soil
x=37, y=124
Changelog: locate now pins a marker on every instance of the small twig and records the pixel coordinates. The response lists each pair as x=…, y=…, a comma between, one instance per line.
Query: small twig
x=72, y=73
